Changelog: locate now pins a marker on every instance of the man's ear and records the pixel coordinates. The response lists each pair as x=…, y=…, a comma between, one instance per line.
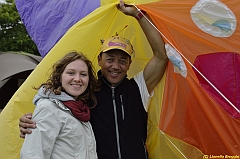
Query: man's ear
x=99, y=59
x=130, y=61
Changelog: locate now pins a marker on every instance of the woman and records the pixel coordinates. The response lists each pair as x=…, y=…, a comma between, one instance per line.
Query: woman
x=62, y=115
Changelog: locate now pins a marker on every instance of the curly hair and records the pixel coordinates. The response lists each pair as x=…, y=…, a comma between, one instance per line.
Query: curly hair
x=54, y=85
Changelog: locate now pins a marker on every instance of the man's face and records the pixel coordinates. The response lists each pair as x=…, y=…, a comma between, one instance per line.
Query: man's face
x=114, y=65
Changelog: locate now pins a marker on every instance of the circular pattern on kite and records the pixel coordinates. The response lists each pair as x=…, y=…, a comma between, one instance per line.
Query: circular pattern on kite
x=176, y=59
x=214, y=18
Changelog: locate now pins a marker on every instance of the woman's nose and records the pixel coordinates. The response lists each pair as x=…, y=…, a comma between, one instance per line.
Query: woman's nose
x=77, y=78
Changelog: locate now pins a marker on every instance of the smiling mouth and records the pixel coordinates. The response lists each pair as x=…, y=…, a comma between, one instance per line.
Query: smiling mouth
x=76, y=85
x=114, y=73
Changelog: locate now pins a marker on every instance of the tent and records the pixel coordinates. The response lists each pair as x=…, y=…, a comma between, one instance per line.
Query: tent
x=15, y=67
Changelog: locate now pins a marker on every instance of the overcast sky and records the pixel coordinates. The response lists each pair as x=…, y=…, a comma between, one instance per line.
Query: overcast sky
x=1, y=1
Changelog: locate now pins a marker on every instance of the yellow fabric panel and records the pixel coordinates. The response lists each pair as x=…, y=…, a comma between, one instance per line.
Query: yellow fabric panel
x=164, y=146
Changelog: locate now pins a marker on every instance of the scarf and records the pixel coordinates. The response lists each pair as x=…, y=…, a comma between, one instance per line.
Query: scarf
x=78, y=109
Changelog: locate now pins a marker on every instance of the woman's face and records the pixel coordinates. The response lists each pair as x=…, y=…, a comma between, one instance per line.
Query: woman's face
x=75, y=78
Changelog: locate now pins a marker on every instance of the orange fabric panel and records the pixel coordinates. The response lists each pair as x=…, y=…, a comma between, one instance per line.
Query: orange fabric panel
x=188, y=112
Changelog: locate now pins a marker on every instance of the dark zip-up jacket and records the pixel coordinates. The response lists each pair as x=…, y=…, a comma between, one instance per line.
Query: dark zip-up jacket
x=119, y=121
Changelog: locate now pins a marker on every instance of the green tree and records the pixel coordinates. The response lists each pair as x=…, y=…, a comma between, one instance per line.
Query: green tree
x=13, y=34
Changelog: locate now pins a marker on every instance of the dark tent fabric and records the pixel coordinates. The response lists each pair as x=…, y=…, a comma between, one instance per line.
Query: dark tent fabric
x=15, y=67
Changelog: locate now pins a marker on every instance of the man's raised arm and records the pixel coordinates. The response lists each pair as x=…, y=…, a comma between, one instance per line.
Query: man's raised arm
x=155, y=68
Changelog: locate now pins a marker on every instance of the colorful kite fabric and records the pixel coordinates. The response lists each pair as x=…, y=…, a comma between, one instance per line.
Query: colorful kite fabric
x=195, y=110
x=47, y=21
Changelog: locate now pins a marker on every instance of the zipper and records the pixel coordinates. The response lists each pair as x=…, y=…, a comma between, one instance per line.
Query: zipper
x=145, y=150
x=115, y=117
x=116, y=123
x=122, y=106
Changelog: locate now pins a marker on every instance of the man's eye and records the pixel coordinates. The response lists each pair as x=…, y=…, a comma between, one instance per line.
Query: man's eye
x=123, y=62
x=109, y=60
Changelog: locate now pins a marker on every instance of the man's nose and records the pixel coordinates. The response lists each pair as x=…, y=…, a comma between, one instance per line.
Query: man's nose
x=115, y=65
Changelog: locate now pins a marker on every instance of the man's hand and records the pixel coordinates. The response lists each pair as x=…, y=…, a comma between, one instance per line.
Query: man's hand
x=127, y=9
x=26, y=122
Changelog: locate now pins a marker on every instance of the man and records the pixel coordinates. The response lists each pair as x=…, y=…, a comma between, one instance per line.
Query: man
x=119, y=120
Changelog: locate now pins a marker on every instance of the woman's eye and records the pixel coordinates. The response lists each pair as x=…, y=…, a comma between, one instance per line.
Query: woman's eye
x=71, y=73
x=83, y=74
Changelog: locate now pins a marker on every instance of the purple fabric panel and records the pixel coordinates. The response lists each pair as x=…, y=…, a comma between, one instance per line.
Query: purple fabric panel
x=48, y=20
